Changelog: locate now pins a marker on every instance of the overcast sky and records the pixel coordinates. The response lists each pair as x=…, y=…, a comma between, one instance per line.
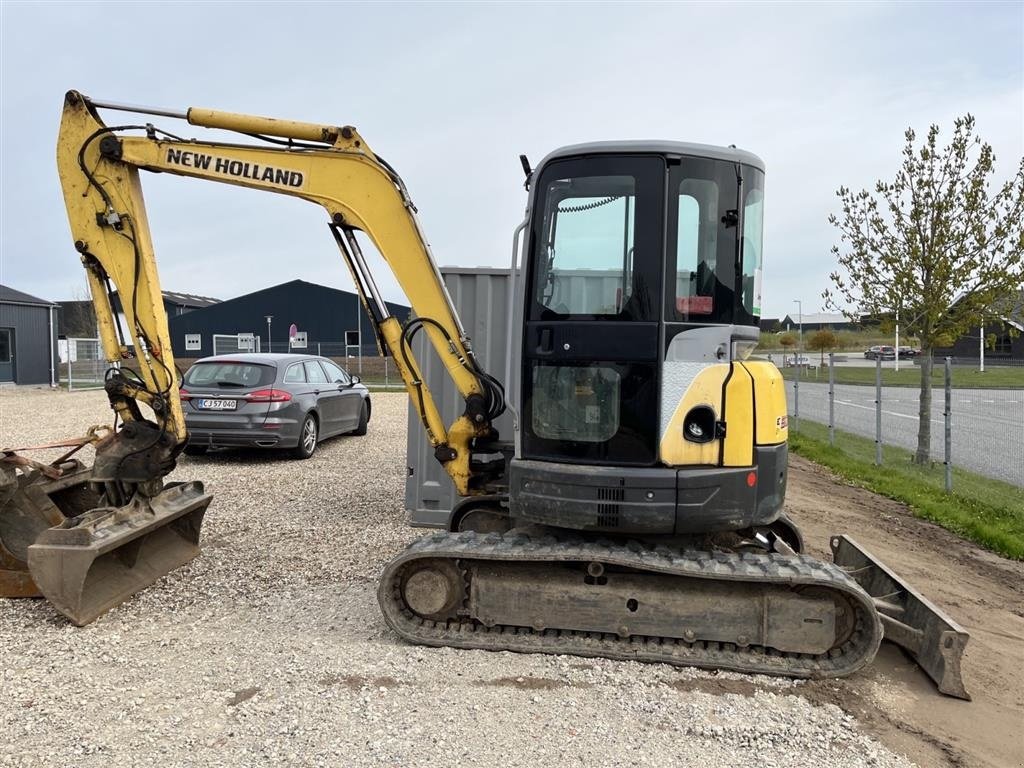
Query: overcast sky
x=451, y=94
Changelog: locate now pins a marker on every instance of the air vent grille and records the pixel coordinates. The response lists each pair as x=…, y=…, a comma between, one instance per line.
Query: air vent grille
x=607, y=508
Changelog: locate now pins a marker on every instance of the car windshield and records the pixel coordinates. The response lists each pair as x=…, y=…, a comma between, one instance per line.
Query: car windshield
x=229, y=374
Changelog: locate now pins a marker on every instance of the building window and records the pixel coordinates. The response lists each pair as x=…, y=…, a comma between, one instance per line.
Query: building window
x=193, y=342
x=1003, y=346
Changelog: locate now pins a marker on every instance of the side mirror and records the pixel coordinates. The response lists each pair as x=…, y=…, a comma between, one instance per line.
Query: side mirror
x=356, y=380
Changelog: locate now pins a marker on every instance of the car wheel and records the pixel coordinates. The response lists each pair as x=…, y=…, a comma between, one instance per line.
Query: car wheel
x=195, y=450
x=308, y=434
x=364, y=418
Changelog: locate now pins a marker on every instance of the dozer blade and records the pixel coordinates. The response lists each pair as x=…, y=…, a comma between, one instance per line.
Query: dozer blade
x=31, y=502
x=909, y=619
x=88, y=564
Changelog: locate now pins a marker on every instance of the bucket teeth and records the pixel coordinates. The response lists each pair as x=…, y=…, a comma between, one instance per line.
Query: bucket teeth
x=90, y=563
x=909, y=619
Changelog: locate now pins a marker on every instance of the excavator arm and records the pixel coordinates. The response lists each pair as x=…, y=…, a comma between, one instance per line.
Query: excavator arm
x=89, y=538
x=328, y=165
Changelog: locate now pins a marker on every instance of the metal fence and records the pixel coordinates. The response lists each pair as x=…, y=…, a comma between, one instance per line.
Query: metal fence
x=233, y=343
x=82, y=363
x=365, y=362
x=980, y=430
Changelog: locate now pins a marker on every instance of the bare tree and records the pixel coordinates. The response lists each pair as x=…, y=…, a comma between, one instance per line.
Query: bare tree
x=936, y=246
x=78, y=316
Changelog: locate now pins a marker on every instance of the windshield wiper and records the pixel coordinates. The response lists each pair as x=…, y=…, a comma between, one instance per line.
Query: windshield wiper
x=229, y=384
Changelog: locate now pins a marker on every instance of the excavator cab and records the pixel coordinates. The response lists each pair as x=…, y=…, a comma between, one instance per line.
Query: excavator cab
x=641, y=411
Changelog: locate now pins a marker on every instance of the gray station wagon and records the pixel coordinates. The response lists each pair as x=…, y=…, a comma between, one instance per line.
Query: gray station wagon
x=271, y=401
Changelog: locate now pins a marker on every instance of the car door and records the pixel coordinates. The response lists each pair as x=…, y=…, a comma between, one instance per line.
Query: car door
x=351, y=397
x=328, y=400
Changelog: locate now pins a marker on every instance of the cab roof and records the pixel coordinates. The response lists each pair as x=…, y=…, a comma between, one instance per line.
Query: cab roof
x=657, y=147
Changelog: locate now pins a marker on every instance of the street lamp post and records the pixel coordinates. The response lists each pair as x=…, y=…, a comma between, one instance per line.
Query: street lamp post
x=896, y=362
x=800, y=332
x=269, y=318
x=796, y=363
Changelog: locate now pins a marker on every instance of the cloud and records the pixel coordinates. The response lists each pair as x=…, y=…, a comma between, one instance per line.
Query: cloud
x=451, y=94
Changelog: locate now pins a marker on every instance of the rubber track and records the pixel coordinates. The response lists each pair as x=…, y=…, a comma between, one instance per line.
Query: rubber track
x=800, y=570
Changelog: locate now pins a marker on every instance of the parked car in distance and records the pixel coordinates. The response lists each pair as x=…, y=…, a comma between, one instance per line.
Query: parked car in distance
x=794, y=361
x=907, y=352
x=880, y=353
x=271, y=401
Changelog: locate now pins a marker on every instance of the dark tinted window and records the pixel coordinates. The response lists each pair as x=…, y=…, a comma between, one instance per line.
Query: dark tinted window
x=314, y=373
x=229, y=373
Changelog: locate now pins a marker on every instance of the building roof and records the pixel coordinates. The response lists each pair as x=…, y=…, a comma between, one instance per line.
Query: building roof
x=187, y=299
x=1011, y=310
x=11, y=296
x=819, y=318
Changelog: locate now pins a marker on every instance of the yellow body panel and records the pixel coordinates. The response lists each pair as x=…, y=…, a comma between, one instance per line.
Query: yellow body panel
x=770, y=396
x=738, y=450
x=705, y=389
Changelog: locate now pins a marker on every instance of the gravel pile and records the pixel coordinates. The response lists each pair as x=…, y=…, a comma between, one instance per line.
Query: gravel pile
x=269, y=648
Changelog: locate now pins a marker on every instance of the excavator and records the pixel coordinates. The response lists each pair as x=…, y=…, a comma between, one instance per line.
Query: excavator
x=637, y=509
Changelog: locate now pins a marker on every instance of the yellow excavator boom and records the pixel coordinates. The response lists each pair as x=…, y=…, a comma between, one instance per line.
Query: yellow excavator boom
x=89, y=538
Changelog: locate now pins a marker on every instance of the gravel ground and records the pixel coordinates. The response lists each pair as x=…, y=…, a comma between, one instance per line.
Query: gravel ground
x=269, y=648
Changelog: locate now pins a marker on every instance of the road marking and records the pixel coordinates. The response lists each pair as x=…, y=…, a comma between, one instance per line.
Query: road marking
x=890, y=413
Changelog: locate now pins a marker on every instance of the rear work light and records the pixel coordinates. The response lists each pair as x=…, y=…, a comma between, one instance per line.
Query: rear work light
x=269, y=396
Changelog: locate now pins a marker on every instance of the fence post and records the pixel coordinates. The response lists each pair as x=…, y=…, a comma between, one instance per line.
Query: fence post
x=948, y=418
x=796, y=397
x=318, y=350
x=71, y=385
x=878, y=411
x=386, y=384
x=831, y=400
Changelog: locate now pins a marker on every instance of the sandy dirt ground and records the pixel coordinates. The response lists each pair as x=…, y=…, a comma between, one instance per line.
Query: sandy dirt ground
x=270, y=646
x=983, y=592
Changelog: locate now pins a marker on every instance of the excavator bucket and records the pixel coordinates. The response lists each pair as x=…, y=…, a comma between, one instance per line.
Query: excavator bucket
x=909, y=619
x=88, y=564
x=33, y=499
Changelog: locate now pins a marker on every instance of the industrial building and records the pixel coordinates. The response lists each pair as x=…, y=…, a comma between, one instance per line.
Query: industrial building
x=77, y=319
x=28, y=338
x=329, y=317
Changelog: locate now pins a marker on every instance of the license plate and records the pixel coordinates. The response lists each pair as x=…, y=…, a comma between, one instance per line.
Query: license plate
x=218, y=405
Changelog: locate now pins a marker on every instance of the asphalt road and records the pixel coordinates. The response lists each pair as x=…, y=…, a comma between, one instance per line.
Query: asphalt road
x=987, y=424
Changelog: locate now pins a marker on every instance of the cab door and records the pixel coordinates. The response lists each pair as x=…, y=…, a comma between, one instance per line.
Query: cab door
x=590, y=349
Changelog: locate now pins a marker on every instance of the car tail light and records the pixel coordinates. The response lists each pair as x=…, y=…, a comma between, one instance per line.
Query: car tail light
x=269, y=396
x=185, y=395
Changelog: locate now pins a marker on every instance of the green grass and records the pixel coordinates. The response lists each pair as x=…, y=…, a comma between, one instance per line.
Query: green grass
x=986, y=511
x=1003, y=377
